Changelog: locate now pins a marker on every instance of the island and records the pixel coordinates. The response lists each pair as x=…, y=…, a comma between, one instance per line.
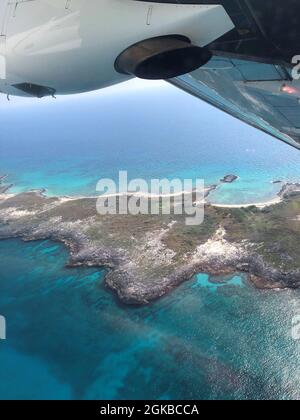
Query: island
x=147, y=256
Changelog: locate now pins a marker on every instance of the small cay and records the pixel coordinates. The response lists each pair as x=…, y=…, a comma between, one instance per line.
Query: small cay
x=148, y=256
x=229, y=179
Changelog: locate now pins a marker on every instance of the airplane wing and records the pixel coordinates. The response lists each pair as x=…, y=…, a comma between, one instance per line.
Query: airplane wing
x=254, y=74
x=262, y=95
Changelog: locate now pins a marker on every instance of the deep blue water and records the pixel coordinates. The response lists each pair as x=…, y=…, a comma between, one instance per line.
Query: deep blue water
x=68, y=337
x=67, y=145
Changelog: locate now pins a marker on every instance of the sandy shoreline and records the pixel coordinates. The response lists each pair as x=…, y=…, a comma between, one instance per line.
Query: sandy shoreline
x=144, y=195
x=275, y=200
x=64, y=199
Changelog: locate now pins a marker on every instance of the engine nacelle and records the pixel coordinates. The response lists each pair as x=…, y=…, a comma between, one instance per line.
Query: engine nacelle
x=163, y=57
x=52, y=47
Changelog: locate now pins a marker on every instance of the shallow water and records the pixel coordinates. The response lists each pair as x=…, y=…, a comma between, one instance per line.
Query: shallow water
x=68, y=337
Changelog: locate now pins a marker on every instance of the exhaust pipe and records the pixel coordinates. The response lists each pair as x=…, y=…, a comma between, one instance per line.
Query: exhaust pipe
x=162, y=57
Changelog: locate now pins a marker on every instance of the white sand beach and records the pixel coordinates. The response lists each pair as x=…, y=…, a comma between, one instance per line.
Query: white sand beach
x=272, y=202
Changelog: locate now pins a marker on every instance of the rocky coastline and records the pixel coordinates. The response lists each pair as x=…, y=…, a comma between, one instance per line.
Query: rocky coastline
x=148, y=256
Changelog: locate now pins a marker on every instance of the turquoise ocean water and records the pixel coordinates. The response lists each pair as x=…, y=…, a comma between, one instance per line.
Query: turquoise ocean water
x=67, y=145
x=69, y=338
x=67, y=335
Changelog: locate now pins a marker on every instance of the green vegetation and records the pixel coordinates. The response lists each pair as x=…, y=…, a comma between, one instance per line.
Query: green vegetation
x=149, y=255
